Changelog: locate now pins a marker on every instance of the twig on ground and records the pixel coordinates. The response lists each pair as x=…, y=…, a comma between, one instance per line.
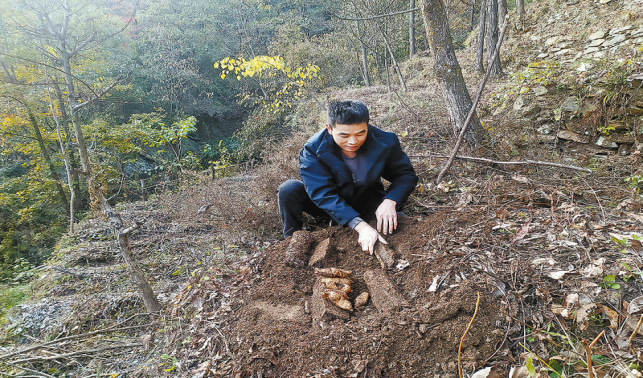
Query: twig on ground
x=227, y=349
x=465, y=334
x=40, y=374
x=90, y=352
x=596, y=339
x=109, y=329
x=636, y=330
x=597, y=199
x=524, y=162
x=588, y=351
x=474, y=105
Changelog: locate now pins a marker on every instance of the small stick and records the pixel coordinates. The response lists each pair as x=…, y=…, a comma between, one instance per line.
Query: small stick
x=525, y=162
x=588, y=350
x=474, y=105
x=465, y=334
x=636, y=330
x=596, y=339
x=108, y=329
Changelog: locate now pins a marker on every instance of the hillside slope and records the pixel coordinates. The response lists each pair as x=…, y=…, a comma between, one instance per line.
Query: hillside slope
x=554, y=255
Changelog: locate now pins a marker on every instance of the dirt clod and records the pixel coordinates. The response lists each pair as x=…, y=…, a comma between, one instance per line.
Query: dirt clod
x=300, y=244
x=385, y=256
x=384, y=295
x=323, y=255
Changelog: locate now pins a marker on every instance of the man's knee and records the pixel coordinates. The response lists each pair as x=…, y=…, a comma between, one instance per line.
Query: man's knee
x=291, y=187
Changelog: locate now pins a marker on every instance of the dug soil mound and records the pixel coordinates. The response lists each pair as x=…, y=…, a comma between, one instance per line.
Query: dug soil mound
x=407, y=329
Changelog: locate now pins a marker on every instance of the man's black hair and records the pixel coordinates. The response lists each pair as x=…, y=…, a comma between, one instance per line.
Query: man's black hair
x=349, y=112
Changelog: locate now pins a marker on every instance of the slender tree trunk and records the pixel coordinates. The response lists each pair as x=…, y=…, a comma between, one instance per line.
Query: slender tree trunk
x=481, y=37
x=47, y=157
x=448, y=72
x=520, y=9
x=63, y=151
x=502, y=11
x=395, y=65
x=72, y=159
x=492, y=40
x=388, y=76
x=411, y=29
x=367, y=79
x=472, y=15
x=95, y=192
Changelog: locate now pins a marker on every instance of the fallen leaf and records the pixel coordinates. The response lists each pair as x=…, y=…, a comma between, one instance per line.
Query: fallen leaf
x=612, y=316
x=522, y=233
x=544, y=260
x=636, y=306
x=638, y=217
x=519, y=178
x=519, y=372
x=571, y=299
x=593, y=270
x=558, y=275
x=490, y=372
x=632, y=321
x=584, y=313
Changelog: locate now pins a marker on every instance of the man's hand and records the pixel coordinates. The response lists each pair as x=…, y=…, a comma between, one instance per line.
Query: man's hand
x=386, y=217
x=368, y=236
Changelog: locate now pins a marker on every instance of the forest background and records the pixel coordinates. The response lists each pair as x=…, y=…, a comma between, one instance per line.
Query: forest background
x=140, y=81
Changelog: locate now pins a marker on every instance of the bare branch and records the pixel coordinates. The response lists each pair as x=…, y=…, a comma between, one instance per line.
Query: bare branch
x=98, y=95
x=83, y=44
x=376, y=17
x=524, y=162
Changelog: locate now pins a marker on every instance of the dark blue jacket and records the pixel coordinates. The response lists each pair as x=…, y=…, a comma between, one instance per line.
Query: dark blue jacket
x=329, y=183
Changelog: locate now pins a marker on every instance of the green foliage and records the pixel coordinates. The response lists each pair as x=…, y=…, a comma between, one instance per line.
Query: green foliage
x=161, y=135
x=609, y=282
x=10, y=296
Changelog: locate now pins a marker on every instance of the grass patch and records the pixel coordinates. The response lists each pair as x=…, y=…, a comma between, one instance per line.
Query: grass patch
x=10, y=296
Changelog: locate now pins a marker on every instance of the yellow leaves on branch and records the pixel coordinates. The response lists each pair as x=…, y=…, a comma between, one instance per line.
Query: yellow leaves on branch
x=265, y=67
x=280, y=83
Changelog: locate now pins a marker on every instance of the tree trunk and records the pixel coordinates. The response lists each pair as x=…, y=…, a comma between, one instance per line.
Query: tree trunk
x=481, y=37
x=395, y=65
x=502, y=10
x=63, y=150
x=472, y=16
x=448, y=72
x=411, y=29
x=95, y=192
x=520, y=9
x=47, y=157
x=367, y=79
x=388, y=75
x=77, y=202
x=492, y=38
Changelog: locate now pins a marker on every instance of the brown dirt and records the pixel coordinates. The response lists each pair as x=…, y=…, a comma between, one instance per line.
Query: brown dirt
x=420, y=340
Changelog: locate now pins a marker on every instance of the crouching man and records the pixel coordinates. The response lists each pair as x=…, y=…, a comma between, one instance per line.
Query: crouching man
x=341, y=167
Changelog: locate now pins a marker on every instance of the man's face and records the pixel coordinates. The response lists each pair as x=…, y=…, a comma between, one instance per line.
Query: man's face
x=349, y=137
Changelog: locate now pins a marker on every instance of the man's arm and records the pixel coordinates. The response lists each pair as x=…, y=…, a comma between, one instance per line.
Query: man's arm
x=400, y=173
x=321, y=187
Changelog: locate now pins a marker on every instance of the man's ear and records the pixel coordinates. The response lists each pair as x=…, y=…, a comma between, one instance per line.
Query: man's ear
x=330, y=129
